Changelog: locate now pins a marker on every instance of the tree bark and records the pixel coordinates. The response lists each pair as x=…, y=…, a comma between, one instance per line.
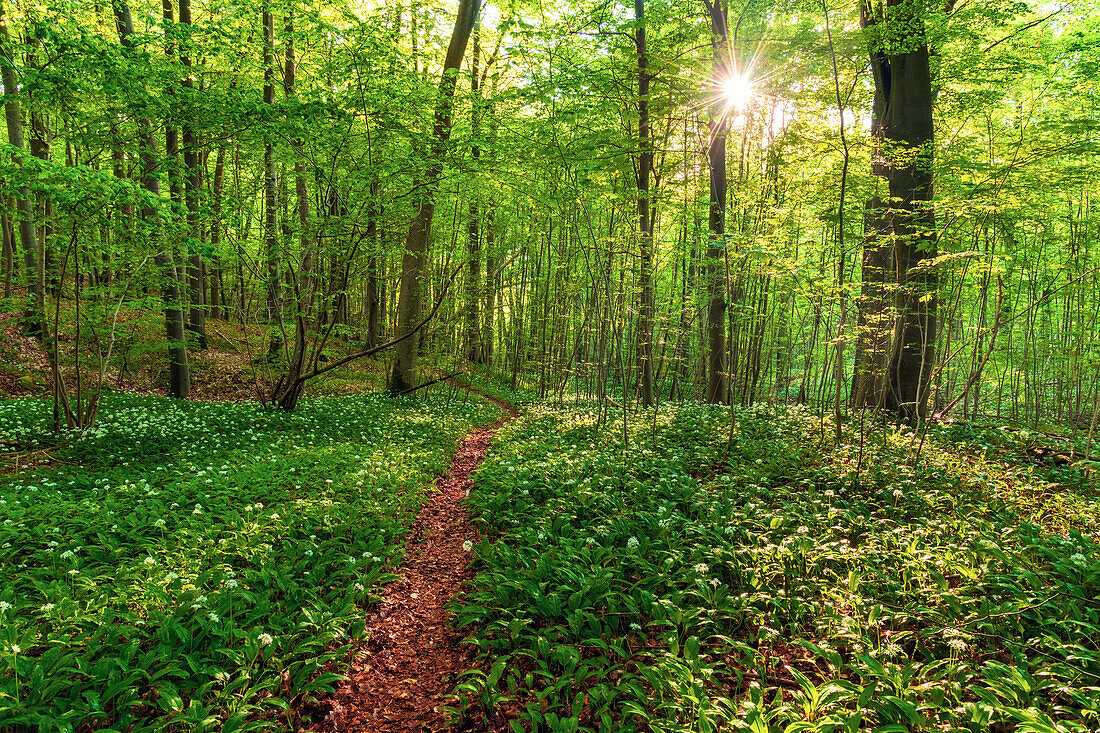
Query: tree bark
x=903, y=130
x=33, y=314
x=645, y=220
x=474, y=352
x=716, y=389
x=192, y=184
x=271, y=202
x=414, y=263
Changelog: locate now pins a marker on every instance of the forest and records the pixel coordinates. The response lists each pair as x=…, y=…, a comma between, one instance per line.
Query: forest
x=682, y=365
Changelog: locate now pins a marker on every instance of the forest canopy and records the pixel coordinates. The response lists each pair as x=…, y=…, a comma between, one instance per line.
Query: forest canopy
x=870, y=204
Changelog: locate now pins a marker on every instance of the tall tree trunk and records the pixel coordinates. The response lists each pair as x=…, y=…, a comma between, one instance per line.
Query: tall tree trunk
x=33, y=313
x=903, y=85
x=487, y=330
x=716, y=390
x=192, y=184
x=290, y=387
x=217, y=286
x=473, y=232
x=873, y=326
x=375, y=294
x=645, y=220
x=271, y=202
x=41, y=139
x=179, y=375
x=415, y=260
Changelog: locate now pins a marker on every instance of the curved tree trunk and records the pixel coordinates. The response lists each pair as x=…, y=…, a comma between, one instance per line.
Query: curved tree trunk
x=414, y=264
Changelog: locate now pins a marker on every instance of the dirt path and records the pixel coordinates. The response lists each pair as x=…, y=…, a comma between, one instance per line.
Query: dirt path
x=402, y=675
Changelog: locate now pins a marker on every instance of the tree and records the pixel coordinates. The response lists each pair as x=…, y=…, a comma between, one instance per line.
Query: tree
x=28, y=237
x=179, y=377
x=717, y=385
x=272, y=245
x=904, y=133
x=415, y=260
x=645, y=216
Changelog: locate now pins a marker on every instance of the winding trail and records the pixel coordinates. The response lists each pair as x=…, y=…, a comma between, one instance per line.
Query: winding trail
x=403, y=674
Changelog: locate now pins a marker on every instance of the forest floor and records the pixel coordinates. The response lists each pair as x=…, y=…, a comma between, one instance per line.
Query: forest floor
x=231, y=369
x=403, y=674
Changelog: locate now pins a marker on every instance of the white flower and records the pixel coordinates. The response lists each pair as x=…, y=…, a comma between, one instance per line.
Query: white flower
x=159, y=523
x=230, y=583
x=635, y=627
x=275, y=515
x=46, y=607
x=67, y=554
x=467, y=545
x=264, y=639
x=15, y=649
x=359, y=587
x=213, y=617
x=956, y=644
x=4, y=605
x=632, y=543
x=1078, y=559
x=74, y=571
x=197, y=511
x=702, y=567
x=892, y=650
x=897, y=493
x=150, y=560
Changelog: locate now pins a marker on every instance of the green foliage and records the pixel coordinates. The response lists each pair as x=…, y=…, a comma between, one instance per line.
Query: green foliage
x=768, y=584
x=200, y=566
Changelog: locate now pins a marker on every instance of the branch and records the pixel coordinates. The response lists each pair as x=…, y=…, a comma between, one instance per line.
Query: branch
x=1018, y=31
x=410, y=390
x=389, y=344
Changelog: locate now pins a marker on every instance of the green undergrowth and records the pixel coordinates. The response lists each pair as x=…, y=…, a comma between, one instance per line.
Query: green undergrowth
x=199, y=567
x=498, y=384
x=771, y=584
x=1044, y=476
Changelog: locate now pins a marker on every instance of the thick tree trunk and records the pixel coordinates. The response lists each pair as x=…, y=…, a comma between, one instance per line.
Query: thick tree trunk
x=909, y=128
x=716, y=389
x=903, y=124
x=415, y=261
x=874, y=324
